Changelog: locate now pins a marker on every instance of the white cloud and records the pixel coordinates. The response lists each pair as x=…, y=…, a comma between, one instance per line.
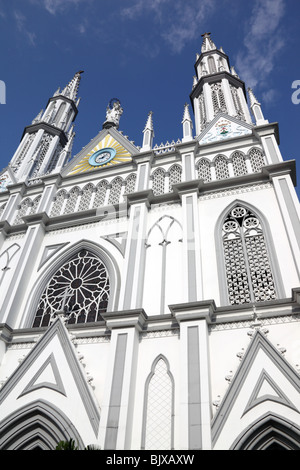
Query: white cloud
x=54, y=6
x=262, y=42
x=21, y=25
x=176, y=22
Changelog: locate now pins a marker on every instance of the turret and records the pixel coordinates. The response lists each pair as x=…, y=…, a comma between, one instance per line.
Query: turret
x=48, y=134
x=148, y=133
x=217, y=88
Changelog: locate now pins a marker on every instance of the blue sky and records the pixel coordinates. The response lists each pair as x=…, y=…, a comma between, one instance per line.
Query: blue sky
x=143, y=53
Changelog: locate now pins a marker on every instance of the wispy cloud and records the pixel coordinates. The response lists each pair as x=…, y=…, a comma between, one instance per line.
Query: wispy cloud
x=55, y=6
x=262, y=43
x=21, y=20
x=176, y=22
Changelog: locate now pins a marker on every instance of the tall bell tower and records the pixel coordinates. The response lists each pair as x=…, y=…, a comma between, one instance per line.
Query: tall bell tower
x=46, y=143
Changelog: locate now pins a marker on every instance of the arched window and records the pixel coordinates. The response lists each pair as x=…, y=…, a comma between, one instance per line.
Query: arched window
x=72, y=200
x=86, y=197
x=100, y=194
x=239, y=164
x=221, y=167
x=256, y=159
x=247, y=264
x=203, y=169
x=158, y=411
x=130, y=183
x=211, y=65
x=58, y=203
x=115, y=191
x=80, y=288
x=218, y=98
x=158, y=181
x=59, y=115
x=175, y=176
x=25, y=206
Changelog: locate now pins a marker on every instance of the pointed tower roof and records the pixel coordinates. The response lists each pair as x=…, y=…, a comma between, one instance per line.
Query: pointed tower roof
x=149, y=123
x=207, y=44
x=71, y=90
x=186, y=114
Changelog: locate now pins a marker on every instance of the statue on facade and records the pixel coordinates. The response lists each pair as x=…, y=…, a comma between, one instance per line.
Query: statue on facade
x=114, y=111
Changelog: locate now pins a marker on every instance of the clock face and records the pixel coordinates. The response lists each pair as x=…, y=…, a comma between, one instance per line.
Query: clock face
x=103, y=156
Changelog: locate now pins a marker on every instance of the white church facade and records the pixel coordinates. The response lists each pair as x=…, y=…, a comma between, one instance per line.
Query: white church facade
x=150, y=296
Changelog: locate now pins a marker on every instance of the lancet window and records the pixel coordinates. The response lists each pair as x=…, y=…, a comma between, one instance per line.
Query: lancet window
x=115, y=191
x=211, y=65
x=2, y=209
x=24, y=209
x=247, y=263
x=158, y=421
x=203, y=169
x=218, y=99
x=23, y=152
x=72, y=200
x=237, y=102
x=202, y=111
x=239, y=164
x=130, y=183
x=174, y=176
x=256, y=159
x=80, y=288
x=221, y=167
x=86, y=197
x=100, y=194
x=158, y=181
x=58, y=203
x=40, y=154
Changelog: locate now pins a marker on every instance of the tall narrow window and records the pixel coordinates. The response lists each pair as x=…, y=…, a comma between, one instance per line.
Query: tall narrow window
x=239, y=164
x=86, y=197
x=158, y=421
x=211, y=65
x=218, y=98
x=158, y=182
x=175, y=176
x=80, y=288
x=100, y=194
x=72, y=200
x=256, y=159
x=58, y=203
x=221, y=167
x=204, y=172
x=248, y=270
x=115, y=191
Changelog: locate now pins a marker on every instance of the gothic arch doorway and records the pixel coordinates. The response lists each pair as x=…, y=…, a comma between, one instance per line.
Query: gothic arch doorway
x=37, y=426
x=269, y=433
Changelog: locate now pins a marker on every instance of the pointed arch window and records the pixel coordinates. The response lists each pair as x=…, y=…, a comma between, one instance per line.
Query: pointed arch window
x=204, y=172
x=58, y=203
x=130, y=183
x=80, y=288
x=158, y=412
x=25, y=206
x=239, y=164
x=175, y=176
x=115, y=191
x=218, y=98
x=211, y=65
x=158, y=181
x=72, y=200
x=247, y=263
x=221, y=167
x=86, y=197
x=256, y=159
x=100, y=194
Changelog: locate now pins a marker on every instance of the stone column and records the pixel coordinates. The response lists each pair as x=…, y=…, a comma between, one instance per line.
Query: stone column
x=118, y=402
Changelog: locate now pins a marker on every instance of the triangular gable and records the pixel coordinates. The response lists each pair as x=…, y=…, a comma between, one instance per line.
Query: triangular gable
x=107, y=149
x=263, y=376
x=6, y=178
x=224, y=127
x=51, y=371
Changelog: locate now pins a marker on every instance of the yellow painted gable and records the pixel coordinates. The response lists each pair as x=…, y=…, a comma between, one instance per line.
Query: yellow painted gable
x=121, y=156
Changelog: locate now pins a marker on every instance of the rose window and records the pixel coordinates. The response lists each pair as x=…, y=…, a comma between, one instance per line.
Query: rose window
x=80, y=288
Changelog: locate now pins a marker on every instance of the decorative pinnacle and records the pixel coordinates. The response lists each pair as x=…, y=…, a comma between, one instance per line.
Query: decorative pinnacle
x=71, y=90
x=186, y=114
x=208, y=44
x=253, y=99
x=149, y=123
